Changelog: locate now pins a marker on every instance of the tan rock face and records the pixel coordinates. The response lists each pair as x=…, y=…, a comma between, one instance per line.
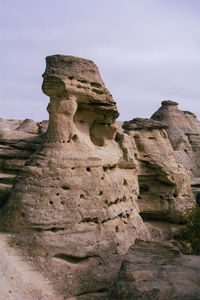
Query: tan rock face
x=79, y=101
x=165, y=192
x=74, y=202
x=18, y=140
x=183, y=130
x=73, y=190
x=154, y=270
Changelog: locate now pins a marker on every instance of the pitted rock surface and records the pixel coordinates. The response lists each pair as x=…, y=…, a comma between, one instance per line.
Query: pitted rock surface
x=77, y=191
x=73, y=205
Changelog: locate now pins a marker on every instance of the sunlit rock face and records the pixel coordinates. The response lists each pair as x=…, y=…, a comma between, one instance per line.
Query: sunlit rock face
x=73, y=206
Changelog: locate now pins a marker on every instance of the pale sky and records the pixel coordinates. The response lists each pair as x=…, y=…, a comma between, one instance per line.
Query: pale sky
x=146, y=50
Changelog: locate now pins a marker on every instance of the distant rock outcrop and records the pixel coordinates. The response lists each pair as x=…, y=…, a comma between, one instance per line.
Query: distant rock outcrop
x=183, y=130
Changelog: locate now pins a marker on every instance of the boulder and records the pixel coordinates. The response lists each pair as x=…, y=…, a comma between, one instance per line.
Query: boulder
x=157, y=270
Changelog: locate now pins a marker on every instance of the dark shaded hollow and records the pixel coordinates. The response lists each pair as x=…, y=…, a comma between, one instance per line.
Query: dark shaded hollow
x=73, y=259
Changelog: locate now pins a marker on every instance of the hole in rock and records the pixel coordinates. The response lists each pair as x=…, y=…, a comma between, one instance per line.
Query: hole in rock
x=23, y=214
x=82, y=80
x=88, y=169
x=65, y=187
x=88, y=220
x=175, y=195
x=74, y=138
x=139, y=197
x=62, y=202
x=117, y=228
x=68, y=141
x=102, y=177
x=81, y=196
x=106, y=168
x=57, y=194
x=161, y=197
x=50, y=202
x=125, y=182
x=72, y=168
x=96, y=84
x=100, y=193
x=73, y=259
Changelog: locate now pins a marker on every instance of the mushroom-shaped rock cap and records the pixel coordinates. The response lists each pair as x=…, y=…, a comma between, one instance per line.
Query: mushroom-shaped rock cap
x=73, y=68
x=70, y=76
x=169, y=103
x=141, y=123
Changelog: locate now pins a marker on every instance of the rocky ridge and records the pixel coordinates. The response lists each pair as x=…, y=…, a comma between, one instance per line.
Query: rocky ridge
x=77, y=191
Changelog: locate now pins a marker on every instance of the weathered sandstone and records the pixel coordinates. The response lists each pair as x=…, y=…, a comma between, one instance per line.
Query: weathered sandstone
x=183, y=129
x=153, y=270
x=73, y=206
x=78, y=190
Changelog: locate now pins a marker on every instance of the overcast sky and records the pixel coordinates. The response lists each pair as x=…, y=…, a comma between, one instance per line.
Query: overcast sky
x=146, y=50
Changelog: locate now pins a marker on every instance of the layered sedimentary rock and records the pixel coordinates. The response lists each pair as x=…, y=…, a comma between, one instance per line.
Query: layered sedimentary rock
x=164, y=186
x=73, y=206
x=18, y=140
x=183, y=129
x=154, y=270
x=73, y=191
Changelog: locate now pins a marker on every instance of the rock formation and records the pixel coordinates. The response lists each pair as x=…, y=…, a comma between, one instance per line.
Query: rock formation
x=164, y=186
x=77, y=191
x=154, y=270
x=73, y=206
x=183, y=130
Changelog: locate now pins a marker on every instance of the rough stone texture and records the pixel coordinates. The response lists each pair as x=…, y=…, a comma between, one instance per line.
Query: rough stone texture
x=73, y=190
x=18, y=140
x=73, y=205
x=165, y=192
x=183, y=130
x=18, y=279
x=158, y=271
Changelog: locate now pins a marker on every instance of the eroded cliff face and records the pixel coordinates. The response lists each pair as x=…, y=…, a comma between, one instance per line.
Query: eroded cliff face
x=77, y=191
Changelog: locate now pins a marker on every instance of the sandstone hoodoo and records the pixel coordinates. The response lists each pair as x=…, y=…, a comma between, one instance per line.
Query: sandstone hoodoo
x=183, y=130
x=74, y=202
x=77, y=191
x=164, y=186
